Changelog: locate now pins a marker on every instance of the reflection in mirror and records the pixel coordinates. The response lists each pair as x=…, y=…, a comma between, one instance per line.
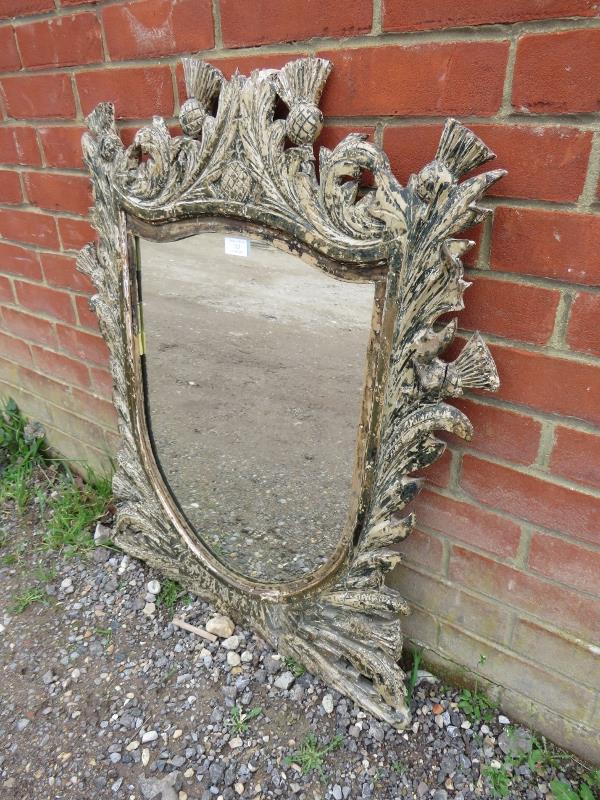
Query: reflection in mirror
x=254, y=368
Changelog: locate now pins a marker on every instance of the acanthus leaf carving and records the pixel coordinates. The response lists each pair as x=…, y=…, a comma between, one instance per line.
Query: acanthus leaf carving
x=235, y=162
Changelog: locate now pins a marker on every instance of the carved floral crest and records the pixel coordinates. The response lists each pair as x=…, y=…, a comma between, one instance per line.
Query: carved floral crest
x=236, y=159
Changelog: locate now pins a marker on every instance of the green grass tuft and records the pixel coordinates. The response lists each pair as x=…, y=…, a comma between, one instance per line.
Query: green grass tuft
x=72, y=508
x=311, y=756
x=28, y=598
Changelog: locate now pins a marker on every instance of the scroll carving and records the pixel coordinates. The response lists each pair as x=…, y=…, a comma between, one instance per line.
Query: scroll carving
x=236, y=159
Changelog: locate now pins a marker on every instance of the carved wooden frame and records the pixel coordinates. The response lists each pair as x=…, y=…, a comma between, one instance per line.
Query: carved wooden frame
x=237, y=161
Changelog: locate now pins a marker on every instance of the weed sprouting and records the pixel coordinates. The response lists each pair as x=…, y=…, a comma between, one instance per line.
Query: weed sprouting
x=28, y=598
x=72, y=508
x=413, y=676
x=68, y=504
x=170, y=593
x=311, y=756
x=476, y=705
x=239, y=719
x=22, y=450
x=295, y=667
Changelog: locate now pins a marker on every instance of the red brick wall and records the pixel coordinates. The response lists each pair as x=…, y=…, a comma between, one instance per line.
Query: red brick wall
x=504, y=570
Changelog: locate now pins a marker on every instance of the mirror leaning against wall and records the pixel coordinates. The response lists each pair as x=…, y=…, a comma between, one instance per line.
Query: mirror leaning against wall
x=276, y=334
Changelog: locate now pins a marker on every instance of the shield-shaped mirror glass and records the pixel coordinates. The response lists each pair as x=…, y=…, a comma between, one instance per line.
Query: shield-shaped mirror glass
x=254, y=370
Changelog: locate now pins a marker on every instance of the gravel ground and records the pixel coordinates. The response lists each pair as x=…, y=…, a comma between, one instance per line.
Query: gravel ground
x=102, y=697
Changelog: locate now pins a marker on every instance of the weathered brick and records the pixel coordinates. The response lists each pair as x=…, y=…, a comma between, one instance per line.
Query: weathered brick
x=20, y=8
x=468, y=524
x=532, y=154
x=61, y=42
x=49, y=190
x=52, y=302
x=18, y=145
x=438, y=473
x=6, y=290
x=19, y=261
x=39, y=96
x=9, y=55
x=443, y=79
x=561, y=694
x=564, y=654
x=75, y=233
x=263, y=21
x=150, y=28
x=59, y=270
x=15, y=349
x=59, y=366
x=406, y=15
x=534, y=595
x=558, y=72
x=10, y=187
x=88, y=347
x=576, y=455
x=29, y=227
x=572, y=735
x=583, y=332
x=502, y=433
x=511, y=310
x=531, y=498
x=424, y=549
x=137, y=92
x=539, y=381
x=96, y=408
x=566, y=562
x=448, y=602
x=29, y=327
x=87, y=318
x=101, y=382
x=420, y=627
x=62, y=145
x=551, y=244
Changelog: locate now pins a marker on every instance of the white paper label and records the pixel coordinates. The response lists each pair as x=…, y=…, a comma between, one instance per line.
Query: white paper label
x=237, y=247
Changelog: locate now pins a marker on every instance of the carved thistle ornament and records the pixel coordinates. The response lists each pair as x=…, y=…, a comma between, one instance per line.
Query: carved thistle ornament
x=236, y=160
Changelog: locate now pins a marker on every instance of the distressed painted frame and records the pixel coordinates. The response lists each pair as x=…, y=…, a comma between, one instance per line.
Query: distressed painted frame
x=236, y=161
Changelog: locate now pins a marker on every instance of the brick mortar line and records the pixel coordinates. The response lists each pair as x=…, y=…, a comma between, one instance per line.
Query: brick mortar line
x=217, y=30
x=546, y=446
x=44, y=284
x=531, y=471
x=589, y=194
x=506, y=104
x=522, y=554
x=580, y=425
x=459, y=495
x=104, y=453
x=377, y=18
x=584, y=123
x=100, y=17
x=528, y=529
x=507, y=650
x=51, y=320
x=64, y=410
x=520, y=657
x=547, y=349
x=336, y=43
x=558, y=339
x=526, y=279
x=522, y=614
x=68, y=411
x=495, y=30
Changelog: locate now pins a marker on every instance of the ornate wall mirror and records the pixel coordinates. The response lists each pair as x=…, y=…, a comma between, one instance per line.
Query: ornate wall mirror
x=275, y=333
